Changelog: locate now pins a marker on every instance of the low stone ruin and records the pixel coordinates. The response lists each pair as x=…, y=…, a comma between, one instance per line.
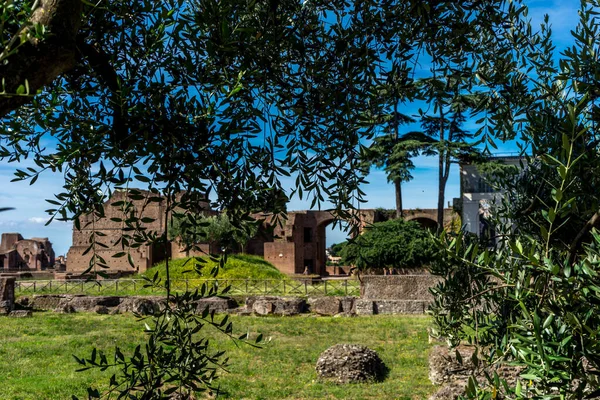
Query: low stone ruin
x=395, y=294
x=331, y=306
x=7, y=295
x=452, y=374
x=143, y=305
x=350, y=363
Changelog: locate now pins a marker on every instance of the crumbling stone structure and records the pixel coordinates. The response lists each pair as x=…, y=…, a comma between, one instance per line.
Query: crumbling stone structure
x=297, y=247
x=350, y=363
x=18, y=254
x=395, y=294
x=7, y=295
x=111, y=228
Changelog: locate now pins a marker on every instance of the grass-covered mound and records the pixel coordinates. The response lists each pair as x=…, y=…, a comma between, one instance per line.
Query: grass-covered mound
x=238, y=266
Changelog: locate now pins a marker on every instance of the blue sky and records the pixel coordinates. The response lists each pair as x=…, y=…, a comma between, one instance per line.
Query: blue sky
x=29, y=216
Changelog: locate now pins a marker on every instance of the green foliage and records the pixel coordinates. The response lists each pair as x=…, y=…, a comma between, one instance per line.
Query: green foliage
x=177, y=359
x=336, y=249
x=391, y=244
x=390, y=153
x=237, y=266
x=217, y=229
x=533, y=301
x=223, y=100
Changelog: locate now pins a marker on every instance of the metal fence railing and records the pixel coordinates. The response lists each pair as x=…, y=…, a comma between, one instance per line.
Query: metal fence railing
x=341, y=287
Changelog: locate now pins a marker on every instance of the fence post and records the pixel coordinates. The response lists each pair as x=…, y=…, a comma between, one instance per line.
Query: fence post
x=305, y=287
x=33, y=286
x=325, y=288
x=284, y=291
x=346, y=286
x=50, y=285
x=246, y=285
x=117, y=286
x=266, y=286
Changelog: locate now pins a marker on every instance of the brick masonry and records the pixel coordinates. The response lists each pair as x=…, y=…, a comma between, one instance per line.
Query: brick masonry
x=298, y=245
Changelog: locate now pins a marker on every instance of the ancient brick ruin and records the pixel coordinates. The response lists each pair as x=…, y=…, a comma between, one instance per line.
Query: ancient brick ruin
x=18, y=254
x=294, y=248
x=110, y=229
x=300, y=244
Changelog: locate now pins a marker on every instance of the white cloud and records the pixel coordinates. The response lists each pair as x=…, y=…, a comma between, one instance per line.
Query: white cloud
x=38, y=220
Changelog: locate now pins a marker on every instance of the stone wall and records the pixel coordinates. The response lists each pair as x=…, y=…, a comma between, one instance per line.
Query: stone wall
x=395, y=294
x=143, y=257
x=398, y=287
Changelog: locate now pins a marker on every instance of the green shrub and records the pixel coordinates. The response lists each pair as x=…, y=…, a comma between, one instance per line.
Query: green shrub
x=391, y=244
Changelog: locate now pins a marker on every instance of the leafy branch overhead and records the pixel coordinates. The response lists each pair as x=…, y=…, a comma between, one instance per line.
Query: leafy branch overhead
x=221, y=104
x=531, y=301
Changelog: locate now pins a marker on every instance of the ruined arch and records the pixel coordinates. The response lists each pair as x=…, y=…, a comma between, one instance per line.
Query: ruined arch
x=301, y=242
x=425, y=222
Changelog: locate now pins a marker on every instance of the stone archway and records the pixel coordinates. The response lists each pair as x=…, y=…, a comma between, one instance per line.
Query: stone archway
x=300, y=244
x=301, y=241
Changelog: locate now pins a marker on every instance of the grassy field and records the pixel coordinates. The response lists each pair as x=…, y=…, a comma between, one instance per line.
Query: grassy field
x=36, y=355
x=238, y=266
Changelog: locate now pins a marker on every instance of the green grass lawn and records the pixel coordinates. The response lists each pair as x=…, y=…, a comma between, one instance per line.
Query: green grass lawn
x=36, y=355
x=238, y=266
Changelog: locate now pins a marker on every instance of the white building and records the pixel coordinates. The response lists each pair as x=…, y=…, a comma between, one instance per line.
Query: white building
x=478, y=196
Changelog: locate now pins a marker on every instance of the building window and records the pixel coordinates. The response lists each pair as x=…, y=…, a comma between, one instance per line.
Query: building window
x=307, y=235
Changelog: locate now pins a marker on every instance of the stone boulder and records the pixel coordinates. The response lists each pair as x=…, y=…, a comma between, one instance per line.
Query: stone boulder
x=20, y=313
x=64, y=308
x=140, y=305
x=325, y=305
x=348, y=305
x=446, y=369
x=349, y=363
x=265, y=305
x=89, y=303
x=49, y=301
x=101, y=310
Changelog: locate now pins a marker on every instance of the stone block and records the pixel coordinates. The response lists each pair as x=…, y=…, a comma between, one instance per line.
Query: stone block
x=398, y=287
x=364, y=307
x=101, y=310
x=141, y=305
x=49, y=301
x=7, y=295
x=5, y=307
x=89, y=303
x=20, y=313
x=264, y=305
x=64, y=308
x=400, y=306
x=348, y=305
x=216, y=304
x=326, y=305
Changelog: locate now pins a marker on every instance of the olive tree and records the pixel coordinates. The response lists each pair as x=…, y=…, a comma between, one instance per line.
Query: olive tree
x=197, y=100
x=532, y=301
